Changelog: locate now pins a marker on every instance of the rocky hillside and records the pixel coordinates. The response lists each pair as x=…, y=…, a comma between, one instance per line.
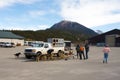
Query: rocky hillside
x=73, y=27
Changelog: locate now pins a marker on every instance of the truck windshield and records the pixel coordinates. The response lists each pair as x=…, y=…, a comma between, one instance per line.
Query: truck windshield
x=38, y=45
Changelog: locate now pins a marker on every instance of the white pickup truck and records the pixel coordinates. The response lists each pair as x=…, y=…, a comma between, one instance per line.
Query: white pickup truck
x=40, y=49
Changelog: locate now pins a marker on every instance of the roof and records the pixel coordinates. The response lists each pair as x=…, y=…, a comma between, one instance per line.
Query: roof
x=7, y=34
x=112, y=32
x=101, y=37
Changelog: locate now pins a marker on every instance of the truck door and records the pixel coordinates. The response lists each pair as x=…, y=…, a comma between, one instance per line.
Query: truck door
x=46, y=47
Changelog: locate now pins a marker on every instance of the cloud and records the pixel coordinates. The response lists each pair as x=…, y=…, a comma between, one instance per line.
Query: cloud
x=37, y=13
x=24, y=27
x=91, y=12
x=6, y=3
x=41, y=27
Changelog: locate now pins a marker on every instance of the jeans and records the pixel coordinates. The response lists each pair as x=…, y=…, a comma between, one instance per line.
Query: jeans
x=86, y=54
x=82, y=54
x=105, y=57
x=78, y=54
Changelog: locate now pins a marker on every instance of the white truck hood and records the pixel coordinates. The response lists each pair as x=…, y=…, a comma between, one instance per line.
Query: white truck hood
x=34, y=48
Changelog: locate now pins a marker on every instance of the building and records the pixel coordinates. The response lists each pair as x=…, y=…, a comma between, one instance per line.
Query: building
x=6, y=36
x=112, y=38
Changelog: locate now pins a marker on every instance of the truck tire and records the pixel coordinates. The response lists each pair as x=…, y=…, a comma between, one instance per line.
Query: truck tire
x=38, y=56
x=60, y=53
x=38, y=53
x=49, y=54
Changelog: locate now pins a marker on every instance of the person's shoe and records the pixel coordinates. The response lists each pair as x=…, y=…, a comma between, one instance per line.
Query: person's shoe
x=86, y=57
x=103, y=61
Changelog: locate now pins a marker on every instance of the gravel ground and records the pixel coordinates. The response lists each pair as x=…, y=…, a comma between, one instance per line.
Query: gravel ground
x=12, y=68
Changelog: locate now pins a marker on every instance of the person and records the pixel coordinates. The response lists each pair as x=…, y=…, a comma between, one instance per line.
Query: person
x=106, y=51
x=81, y=52
x=78, y=50
x=86, y=50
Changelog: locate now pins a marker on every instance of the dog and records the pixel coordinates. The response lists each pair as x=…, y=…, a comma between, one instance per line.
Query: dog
x=17, y=54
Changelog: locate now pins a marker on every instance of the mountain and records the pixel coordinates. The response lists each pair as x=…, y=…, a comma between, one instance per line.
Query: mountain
x=68, y=30
x=74, y=28
x=107, y=27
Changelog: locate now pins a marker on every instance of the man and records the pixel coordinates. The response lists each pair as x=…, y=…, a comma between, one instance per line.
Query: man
x=86, y=49
x=78, y=50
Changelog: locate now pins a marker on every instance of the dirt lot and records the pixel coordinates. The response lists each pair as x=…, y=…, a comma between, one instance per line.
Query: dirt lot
x=73, y=69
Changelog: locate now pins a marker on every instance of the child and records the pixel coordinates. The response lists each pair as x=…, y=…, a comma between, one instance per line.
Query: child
x=106, y=51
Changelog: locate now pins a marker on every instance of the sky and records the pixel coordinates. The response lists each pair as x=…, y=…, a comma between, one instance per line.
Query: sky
x=42, y=14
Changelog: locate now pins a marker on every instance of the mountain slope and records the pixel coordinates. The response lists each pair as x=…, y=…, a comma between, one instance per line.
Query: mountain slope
x=73, y=27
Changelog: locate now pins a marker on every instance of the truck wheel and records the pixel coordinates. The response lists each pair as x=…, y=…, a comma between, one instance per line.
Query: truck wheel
x=38, y=56
x=61, y=54
x=38, y=53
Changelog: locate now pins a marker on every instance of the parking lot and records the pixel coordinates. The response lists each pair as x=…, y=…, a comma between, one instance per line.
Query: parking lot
x=12, y=68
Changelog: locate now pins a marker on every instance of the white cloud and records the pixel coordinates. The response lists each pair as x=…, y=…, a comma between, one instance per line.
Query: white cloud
x=37, y=13
x=21, y=27
x=35, y=27
x=27, y=1
x=6, y=3
x=91, y=12
x=42, y=27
